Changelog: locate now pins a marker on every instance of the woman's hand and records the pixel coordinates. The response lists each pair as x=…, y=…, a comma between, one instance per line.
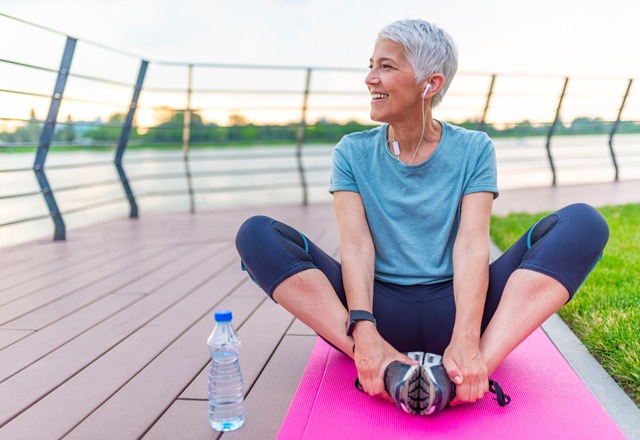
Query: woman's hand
x=372, y=355
x=466, y=368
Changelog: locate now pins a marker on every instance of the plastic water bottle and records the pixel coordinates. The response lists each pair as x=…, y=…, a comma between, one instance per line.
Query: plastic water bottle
x=226, y=406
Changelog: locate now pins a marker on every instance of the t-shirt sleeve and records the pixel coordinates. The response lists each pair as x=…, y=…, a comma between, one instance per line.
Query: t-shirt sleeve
x=484, y=177
x=342, y=178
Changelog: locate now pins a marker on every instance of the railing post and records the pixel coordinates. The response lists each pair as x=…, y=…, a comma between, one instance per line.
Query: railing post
x=615, y=128
x=46, y=136
x=124, y=138
x=486, y=104
x=300, y=140
x=552, y=129
x=186, y=140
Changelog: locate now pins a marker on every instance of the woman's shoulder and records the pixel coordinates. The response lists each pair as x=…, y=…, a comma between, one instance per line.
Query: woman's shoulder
x=467, y=141
x=466, y=133
x=361, y=139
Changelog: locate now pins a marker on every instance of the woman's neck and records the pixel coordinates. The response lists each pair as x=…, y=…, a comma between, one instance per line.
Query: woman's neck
x=410, y=134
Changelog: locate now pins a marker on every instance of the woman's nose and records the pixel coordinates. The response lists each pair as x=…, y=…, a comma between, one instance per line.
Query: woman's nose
x=371, y=77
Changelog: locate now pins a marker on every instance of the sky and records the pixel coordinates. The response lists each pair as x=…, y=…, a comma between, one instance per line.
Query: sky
x=550, y=36
x=557, y=37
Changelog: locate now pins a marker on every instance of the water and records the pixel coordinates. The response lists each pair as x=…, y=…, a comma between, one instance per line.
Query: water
x=145, y=170
x=522, y=162
x=226, y=407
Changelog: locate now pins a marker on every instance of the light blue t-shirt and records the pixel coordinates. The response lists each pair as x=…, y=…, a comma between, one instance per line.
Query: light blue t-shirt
x=414, y=211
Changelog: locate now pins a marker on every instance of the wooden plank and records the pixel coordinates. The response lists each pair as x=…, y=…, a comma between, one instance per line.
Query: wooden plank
x=9, y=261
x=47, y=289
x=39, y=267
x=64, y=272
x=8, y=337
x=301, y=329
x=41, y=250
x=13, y=261
x=192, y=258
x=269, y=400
x=29, y=349
x=548, y=198
x=164, y=229
x=141, y=270
x=69, y=264
x=40, y=378
x=133, y=409
x=184, y=420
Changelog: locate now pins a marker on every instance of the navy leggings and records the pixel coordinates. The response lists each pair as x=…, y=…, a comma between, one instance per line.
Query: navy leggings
x=565, y=245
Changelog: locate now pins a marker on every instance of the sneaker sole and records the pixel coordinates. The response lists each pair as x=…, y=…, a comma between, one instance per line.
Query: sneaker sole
x=430, y=392
x=412, y=394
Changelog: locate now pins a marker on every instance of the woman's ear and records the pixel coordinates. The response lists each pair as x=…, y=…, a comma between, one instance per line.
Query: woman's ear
x=434, y=84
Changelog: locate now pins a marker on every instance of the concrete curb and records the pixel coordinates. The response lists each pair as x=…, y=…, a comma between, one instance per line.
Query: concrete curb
x=613, y=399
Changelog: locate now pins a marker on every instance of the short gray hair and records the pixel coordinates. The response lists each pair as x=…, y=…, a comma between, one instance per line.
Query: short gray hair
x=428, y=49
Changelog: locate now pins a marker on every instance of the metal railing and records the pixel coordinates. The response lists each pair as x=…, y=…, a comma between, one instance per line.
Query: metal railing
x=483, y=101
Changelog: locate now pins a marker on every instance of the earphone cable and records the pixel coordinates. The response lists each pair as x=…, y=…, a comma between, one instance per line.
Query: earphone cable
x=424, y=123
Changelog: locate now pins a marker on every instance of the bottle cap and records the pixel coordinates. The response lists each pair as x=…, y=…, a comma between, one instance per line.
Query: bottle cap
x=223, y=315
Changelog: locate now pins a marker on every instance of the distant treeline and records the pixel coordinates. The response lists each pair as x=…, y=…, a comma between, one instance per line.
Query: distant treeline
x=241, y=131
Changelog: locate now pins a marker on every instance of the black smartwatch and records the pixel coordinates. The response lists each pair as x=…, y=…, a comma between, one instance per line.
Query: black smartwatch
x=358, y=315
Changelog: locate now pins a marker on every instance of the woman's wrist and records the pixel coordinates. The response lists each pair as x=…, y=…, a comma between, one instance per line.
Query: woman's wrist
x=364, y=333
x=466, y=333
x=363, y=326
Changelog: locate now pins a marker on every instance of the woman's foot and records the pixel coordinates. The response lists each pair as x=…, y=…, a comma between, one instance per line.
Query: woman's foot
x=419, y=389
x=426, y=388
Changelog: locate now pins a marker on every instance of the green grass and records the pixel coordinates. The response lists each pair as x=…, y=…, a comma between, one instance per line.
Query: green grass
x=605, y=313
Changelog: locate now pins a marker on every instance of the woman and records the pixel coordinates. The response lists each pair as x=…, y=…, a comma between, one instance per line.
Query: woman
x=413, y=199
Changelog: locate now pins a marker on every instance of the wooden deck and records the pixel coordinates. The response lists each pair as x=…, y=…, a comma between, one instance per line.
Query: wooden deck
x=104, y=336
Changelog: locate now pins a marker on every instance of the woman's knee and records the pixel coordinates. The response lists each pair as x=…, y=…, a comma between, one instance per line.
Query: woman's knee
x=571, y=243
x=263, y=231
x=578, y=224
x=251, y=229
x=586, y=225
x=271, y=251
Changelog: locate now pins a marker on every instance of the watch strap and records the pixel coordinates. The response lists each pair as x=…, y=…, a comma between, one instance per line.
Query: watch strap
x=358, y=315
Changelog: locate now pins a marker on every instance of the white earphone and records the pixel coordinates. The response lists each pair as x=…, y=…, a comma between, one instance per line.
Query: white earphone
x=426, y=89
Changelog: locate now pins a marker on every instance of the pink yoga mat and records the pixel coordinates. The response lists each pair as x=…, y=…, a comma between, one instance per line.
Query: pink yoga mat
x=548, y=401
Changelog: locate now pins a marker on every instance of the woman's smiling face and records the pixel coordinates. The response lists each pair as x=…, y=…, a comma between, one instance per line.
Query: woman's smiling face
x=392, y=84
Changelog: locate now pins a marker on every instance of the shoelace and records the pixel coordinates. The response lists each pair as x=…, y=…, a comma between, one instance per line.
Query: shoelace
x=502, y=398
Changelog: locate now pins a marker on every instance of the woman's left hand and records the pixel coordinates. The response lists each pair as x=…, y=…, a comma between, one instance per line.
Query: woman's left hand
x=466, y=368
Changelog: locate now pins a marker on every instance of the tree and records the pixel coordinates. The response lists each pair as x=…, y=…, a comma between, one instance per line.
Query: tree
x=585, y=125
x=236, y=119
x=28, y=133
x=171, y=126
x=66, y=133
x=110, y=131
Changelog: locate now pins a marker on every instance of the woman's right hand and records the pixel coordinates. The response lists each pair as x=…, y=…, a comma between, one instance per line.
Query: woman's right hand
x=372, y=355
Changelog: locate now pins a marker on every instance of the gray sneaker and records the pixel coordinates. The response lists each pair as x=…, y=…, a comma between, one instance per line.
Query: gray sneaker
x=425, y=388
x=405, y=385
x=419, y=389
x=440, y=388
